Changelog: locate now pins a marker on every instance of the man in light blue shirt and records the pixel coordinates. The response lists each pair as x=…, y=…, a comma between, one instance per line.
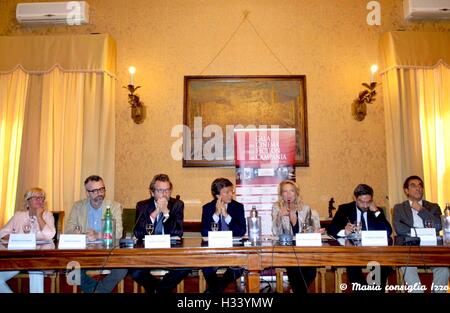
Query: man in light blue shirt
x=86, y=217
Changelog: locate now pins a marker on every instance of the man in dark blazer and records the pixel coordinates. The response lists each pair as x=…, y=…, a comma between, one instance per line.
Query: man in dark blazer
x=365, y=211
x=418, y=213
x=172, y=222
x=228, y=214
x=165, y=214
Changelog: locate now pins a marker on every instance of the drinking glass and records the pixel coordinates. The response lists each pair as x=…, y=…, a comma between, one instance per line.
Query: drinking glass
x=214, y=226
x=149, y=227
x=306, y=227
x=428, y=223
x=357, y=230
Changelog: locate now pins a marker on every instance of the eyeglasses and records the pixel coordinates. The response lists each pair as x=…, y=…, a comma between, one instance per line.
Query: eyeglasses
x=96, y=191
x=162, y=190
x=38, y=198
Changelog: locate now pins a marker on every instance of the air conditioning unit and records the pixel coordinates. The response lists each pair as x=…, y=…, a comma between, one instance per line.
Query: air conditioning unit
x=67, y=13
x=426, y=9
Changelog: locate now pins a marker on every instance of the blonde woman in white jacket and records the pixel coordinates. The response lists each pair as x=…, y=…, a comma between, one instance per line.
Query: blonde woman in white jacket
x=291, y=216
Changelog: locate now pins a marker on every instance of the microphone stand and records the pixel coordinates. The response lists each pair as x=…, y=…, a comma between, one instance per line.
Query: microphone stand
x=409, y=240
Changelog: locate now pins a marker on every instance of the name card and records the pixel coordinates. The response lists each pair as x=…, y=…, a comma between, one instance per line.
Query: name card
x=72, y=241
x=220, y=239
x=22, y=242
x=157, y=241
x=374, y=238
x=308, y=240
x=427, y=236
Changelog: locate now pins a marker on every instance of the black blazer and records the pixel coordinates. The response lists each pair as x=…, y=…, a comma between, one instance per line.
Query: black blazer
x=235, y=210
x=173, y=226
x=402, y=212
x=347, y=212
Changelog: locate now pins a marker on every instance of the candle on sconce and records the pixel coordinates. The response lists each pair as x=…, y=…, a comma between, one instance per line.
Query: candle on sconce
x=373, y=70
x=132, y=70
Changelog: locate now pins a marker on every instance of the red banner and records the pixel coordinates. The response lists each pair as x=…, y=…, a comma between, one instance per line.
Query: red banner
x=264, y=157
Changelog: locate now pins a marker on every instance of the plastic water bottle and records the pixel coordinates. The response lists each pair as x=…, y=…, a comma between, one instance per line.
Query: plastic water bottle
x=254, y=226
x=446, y=224
x=108, y=228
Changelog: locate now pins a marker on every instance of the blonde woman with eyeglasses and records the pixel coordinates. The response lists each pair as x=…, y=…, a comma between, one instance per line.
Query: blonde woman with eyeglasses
x=33, y=219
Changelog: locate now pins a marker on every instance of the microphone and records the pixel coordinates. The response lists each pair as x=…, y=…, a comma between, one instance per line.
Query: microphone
x=409, y=240
x=285, y=239
x=410, y=226
x=137, y=220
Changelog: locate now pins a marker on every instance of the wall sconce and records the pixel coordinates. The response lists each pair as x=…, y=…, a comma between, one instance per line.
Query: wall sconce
x=137, y=108
x=359, y=105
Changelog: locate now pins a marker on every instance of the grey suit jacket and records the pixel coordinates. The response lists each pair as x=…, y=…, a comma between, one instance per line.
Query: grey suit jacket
x=78, y=216
x=403, y=216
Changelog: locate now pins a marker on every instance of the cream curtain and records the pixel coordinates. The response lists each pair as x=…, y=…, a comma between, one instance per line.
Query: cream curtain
x=69, y=128
x=416, y=96
x=434, y=104
x=13, y=94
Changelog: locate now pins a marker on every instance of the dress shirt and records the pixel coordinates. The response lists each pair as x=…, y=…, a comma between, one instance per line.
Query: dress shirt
x=94, y=218
x=154, y=221
x=417, y=220
x=227, y=220
x=358, y=219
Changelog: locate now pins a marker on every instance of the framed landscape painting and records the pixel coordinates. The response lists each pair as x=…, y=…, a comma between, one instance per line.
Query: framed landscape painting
x=215, y=105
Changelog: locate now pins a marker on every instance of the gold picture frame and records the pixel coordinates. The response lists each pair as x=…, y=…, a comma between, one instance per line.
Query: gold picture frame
x=214, y=105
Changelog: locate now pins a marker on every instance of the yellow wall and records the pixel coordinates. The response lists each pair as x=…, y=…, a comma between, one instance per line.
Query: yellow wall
x=328, y=41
